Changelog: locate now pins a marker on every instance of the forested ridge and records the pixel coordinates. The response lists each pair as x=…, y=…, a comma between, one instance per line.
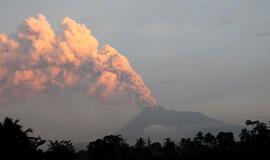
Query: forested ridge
x=253, y=143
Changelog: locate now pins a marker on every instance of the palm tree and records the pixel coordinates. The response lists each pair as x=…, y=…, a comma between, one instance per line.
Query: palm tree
x=14, y=142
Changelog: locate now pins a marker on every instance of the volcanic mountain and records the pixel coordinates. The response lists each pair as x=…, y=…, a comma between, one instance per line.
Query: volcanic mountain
x=160, y=123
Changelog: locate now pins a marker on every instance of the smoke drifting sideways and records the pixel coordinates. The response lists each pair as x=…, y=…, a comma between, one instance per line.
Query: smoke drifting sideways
x=37, y=60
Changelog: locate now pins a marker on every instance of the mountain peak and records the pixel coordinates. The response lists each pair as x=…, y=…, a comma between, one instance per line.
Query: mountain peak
x=159, y=123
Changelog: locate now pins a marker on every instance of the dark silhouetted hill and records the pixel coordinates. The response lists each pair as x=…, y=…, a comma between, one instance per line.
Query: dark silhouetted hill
x=161, y=123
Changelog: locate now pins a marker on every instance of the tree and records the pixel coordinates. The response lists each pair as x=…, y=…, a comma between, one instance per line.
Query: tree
x=149, y=142
x=16, y=144
x=225, y=139
x=112, y=147
x=169, y=145
x=199, y=138
x=61, y=150
x=140, y=143
x=260, y=131
x=154, y=151
x=209, y=139
x=257, y=136
x=245, y=136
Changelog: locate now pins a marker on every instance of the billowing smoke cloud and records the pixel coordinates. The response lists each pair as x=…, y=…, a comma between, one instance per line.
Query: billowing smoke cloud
x=37, y=60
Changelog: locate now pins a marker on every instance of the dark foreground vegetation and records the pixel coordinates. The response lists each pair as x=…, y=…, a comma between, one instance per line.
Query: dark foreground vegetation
x=254, y=144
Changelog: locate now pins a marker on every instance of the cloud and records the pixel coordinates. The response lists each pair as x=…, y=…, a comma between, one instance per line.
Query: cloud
x=159, y=129
x=38, y=61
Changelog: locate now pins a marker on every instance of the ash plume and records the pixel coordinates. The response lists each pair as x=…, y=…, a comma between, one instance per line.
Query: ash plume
x=37, y=60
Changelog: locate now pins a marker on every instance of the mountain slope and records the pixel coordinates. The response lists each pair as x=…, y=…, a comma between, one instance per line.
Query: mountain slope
x=161, y=123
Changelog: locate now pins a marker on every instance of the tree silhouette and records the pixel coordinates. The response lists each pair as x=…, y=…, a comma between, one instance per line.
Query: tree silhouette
x=112, y=147
x=140, y=143
x=209, y=140
x=225, y=139
x=260, y=131
x=169, y=145
x=199, y=138
x=149, y=142
x=245, y=136
x=61, y=150
x=255, y=140
x=15, y=143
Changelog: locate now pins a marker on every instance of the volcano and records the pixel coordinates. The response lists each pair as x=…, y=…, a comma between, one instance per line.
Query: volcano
x=160, y=123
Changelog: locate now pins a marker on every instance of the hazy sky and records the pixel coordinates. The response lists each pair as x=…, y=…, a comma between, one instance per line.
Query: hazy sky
x=199, y=55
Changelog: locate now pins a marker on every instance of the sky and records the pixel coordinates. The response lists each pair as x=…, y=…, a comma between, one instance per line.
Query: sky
x=195, y=55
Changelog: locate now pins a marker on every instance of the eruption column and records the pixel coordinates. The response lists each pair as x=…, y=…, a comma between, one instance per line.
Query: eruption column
x=38, y=60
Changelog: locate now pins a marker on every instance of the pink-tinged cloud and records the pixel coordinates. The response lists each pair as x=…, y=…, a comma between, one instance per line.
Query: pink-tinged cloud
x=38, y=60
